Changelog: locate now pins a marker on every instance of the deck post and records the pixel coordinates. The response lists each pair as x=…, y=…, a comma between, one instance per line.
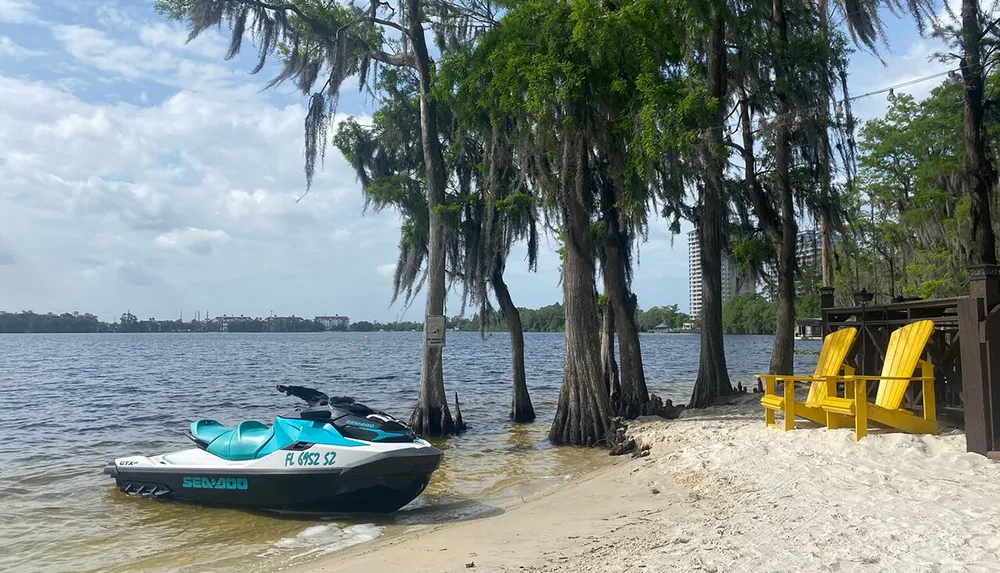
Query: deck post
x=979, y=335
x=825, y=302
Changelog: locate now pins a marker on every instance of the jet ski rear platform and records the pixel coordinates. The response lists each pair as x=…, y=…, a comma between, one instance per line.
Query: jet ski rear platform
x=335, y=456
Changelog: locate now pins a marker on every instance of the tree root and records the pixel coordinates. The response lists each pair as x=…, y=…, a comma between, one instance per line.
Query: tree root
x=619, y=441
x=460, y=425
x=664, y=409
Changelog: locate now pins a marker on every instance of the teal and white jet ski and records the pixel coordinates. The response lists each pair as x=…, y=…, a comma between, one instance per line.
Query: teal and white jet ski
x=334, y=456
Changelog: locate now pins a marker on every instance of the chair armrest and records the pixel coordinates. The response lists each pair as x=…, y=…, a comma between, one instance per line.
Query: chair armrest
x=768, y=383
x=869, y=378
x=791, y=379
x=795, y=378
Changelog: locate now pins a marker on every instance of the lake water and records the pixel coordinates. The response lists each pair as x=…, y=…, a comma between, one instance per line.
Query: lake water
x=71, y=403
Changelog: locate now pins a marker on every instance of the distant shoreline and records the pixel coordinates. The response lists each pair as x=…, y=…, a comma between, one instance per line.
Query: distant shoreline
x=549, y=318
x=326, y=332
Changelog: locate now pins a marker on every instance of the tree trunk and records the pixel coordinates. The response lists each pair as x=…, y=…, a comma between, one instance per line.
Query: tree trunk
x=784, y=334
x=713, y=375
x=980, y=176
x=431, y=416
x=634, y=394
x=826, y=195
x=521, y=409
x=609, y=366
x=583, y=413
x=826, y=247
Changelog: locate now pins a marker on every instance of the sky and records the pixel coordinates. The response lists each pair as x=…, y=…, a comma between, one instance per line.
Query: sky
x=142, y=173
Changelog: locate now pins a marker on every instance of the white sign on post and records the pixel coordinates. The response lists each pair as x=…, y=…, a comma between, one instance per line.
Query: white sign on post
x=434, y=330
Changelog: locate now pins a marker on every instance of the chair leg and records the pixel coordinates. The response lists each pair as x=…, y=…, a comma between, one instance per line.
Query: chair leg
x=768, y=417
x=789, y=405
x=929, y=404
x=832, y=420
x=860, y=411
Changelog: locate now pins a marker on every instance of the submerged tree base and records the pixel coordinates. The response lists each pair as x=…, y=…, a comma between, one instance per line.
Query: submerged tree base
x=522, y=413
x=706, y=392
x=436, y=421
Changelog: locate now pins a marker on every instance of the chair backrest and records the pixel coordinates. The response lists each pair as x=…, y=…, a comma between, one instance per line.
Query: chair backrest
x=836, y=345
x=906, y=346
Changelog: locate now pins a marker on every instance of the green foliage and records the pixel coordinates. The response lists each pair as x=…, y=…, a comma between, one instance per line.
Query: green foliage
x=669, y=316
x=911, y=221
x=173, y=9
x=749, y=314
x=602, y=303
x=550, y=318
x=807, y=285
x=555, y=68
x=31, y=322
x=275, y=324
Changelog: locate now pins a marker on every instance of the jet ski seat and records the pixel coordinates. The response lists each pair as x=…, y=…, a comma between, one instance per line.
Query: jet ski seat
x=244, y=442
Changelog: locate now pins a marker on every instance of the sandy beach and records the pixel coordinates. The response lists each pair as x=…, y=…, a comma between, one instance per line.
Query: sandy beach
x=720, y=492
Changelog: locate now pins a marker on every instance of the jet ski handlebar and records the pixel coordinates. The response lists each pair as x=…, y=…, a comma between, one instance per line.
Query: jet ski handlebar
x=315, y=398
x=311, y=396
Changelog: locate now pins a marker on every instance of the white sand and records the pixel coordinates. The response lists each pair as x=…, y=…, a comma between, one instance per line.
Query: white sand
x=720, y=492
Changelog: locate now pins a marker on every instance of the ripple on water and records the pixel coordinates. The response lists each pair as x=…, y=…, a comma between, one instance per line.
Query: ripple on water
x=73, y=402
x=321, y=539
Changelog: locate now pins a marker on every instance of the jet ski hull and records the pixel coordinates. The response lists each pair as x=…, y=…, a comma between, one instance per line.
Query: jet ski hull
x=383, y=483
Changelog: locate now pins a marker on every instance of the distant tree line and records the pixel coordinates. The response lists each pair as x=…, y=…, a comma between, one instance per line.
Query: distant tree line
x=549, y=318
x=277, y=324
x=22, y=322
x=552, y=318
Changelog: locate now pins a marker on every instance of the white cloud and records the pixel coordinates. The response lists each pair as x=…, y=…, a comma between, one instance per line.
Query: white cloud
x=136, y=61
x=123, y=195
x=191, y=240
x=18, y=12
x=11, y=49
x=387, y=270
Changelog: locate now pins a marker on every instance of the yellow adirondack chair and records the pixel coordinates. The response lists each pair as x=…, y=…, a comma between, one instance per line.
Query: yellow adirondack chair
x=902, y=358
x=829, y=364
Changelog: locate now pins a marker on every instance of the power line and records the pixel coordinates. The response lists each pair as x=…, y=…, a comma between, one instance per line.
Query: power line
x=838, y=103
x=900, y=85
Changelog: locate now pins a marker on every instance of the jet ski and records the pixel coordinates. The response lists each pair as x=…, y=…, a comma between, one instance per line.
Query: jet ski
x=335, y=455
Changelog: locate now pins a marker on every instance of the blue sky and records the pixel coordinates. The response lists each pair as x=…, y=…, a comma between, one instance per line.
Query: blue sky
x=141, y=173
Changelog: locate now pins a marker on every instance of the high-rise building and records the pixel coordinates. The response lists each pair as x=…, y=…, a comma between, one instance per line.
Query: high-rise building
x=808, y=250
x=809, y=246
x=694, y=273
x=732, y=283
